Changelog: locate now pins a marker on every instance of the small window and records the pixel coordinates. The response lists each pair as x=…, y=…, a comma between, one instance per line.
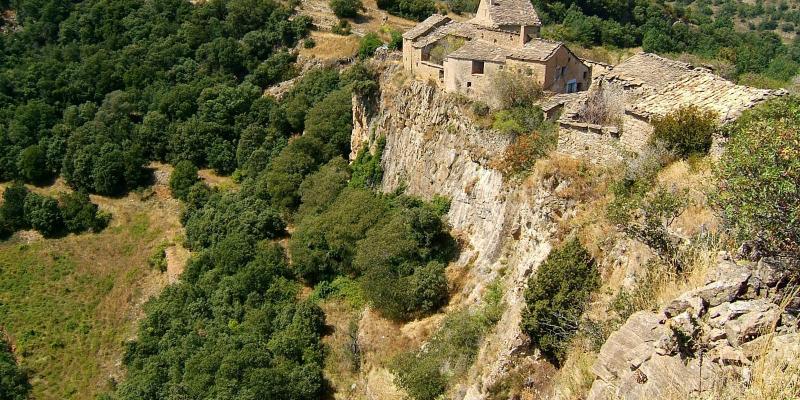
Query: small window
x=469, y=84
x=585, y=73
x=477, y=67
x=441, y=75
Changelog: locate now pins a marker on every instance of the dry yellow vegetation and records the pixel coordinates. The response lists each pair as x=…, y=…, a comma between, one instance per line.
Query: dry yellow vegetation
x=70, y=303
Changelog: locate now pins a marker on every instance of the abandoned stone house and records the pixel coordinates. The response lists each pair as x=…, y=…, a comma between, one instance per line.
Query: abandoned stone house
x=647, y=86
x=504, y=34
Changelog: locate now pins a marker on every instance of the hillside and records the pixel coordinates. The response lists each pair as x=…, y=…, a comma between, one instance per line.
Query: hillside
x=251, y=199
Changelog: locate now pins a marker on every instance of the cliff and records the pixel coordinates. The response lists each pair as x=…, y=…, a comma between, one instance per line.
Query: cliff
x=433, y=148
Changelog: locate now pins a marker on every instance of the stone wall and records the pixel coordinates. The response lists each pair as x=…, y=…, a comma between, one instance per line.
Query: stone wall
x=595, y=143
x=636, y=131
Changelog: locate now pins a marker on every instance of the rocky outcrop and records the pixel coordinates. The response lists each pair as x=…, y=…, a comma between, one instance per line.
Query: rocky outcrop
x=432, y=148
x=702, y=338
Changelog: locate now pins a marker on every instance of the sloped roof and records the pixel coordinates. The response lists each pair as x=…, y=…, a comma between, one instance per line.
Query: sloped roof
x=662, y=86
x=481, y=51
x=512, y=12
x=423, y=27
x=460, y=29
x=535, y=50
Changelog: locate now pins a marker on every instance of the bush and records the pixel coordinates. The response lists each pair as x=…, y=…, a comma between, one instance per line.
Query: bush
x=341, y=28
x=686, y=131
x=369, y=43
x=556, y=297
x=396, y=40
x=521, y=155
x=759, y=177
x=183, y=177
x=346, y=8
x=452, y=348
x=13, y=208
x=13, y=380
x=411, y=9
x=514, y=89
x=80, y=214
x=367, y=169
x=43, y=214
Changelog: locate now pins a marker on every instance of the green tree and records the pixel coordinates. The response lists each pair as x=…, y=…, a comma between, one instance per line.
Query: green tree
x=13, y=207
x=331, y=121
x=43, y=214
x=183, y=177
x=80, y=214
x=556, y=297
x=32, y=164
x=13, y=380
x=369, y=43
x=759, y=177
x=346, y=8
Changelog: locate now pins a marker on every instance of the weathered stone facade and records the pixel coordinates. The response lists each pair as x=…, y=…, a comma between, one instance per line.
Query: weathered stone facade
x=503, y=34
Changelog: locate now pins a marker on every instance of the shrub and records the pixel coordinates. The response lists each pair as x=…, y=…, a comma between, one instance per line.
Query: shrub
x=309, y=43
x=521, y=155
x=367, y=169
x=452, y=348
x=518, y=120
x=13, y=380
x=759, y=177
x=411, y=9
x=686, y=131
x=13, y=208
x=43, y=214
x=346, y=8
x=514, y=89
x=341, y=28
x=396, y=40
x=556, y=297
x=183, y=177
x=480, y=109
x=80, y=214
x=605, y=106
x=369, y=43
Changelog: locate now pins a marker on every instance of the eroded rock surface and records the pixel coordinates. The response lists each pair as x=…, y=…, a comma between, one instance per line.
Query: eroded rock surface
x=701, y=338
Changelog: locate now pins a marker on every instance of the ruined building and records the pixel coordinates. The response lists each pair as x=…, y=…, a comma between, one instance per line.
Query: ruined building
x=463, y=56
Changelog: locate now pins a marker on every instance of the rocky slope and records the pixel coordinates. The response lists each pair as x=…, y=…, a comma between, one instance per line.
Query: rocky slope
x=433, y=148
x=704, y=340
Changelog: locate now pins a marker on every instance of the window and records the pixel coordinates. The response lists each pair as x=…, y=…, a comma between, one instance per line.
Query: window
x=572, y=86
x=469, y=84
x=585, y=73
x=477, y=67
x=441, y=74
x=560, y=72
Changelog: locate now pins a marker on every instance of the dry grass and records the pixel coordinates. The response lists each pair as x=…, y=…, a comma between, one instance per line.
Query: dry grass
x=605, y=55
x=330, y=46
x=574, y=379
x=70, y=303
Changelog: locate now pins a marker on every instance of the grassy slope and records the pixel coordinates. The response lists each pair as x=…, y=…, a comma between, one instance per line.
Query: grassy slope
x=70, y=303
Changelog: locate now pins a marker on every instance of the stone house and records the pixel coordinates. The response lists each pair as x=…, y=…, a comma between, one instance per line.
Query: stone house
x=650, y=86
x=504, y=34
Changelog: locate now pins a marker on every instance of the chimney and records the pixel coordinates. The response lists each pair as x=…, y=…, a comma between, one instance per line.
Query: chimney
x=523, y=37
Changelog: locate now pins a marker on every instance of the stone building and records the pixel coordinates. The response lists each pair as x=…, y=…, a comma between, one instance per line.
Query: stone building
x=504, y=34
x=648, y=87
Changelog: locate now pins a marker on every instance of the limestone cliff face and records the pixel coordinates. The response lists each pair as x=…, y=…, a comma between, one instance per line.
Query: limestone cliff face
x=432, y=148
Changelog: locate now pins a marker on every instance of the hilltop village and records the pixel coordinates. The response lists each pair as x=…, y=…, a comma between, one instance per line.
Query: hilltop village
x=463, y=57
